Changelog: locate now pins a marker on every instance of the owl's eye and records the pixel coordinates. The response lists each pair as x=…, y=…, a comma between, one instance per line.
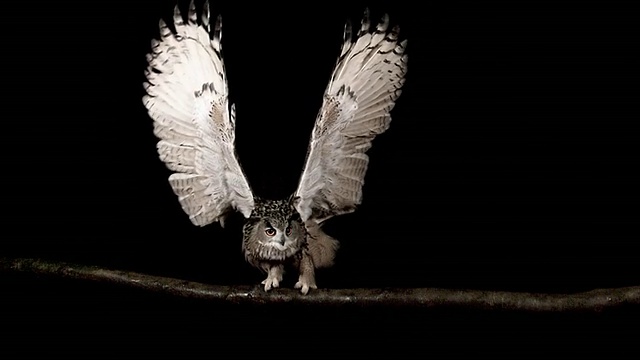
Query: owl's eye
x=288, y=230
x=270, y=231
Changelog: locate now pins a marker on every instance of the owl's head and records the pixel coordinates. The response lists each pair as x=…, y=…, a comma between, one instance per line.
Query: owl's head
x=273, y=232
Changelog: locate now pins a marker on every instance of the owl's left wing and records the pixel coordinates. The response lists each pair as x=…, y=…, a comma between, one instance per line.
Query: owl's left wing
x=187, y=99
x=363, y=89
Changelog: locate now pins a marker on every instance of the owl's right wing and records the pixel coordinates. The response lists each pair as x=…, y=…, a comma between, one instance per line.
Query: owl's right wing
x=187, y=99
x=364, y=86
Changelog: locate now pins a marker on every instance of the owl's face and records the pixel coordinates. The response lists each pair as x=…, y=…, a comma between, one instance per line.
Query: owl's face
x=273, y=232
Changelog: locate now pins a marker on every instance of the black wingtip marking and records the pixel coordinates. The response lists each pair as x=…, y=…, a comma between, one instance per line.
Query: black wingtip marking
x=400, y=48
x=365, y=23
x=348, y=32
x=192, y=12
x=217, y=30
x=206, y=15
x=393, y=34
x=177, y=16
x=383, y=24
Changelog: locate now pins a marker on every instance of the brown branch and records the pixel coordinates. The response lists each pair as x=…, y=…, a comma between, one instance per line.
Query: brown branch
x=594, y=300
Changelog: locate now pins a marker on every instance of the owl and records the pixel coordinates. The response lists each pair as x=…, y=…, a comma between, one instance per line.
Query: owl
x=187, y=99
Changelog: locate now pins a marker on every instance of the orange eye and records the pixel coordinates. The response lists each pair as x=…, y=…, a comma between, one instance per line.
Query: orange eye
x=270, y=231
x=288, y=230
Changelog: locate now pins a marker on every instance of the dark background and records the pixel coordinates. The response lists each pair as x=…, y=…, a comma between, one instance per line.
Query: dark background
x=509, y=164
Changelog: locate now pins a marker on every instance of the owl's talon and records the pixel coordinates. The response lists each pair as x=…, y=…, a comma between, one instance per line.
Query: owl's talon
x=273, y=279
x=304, y=287
x=270, y=283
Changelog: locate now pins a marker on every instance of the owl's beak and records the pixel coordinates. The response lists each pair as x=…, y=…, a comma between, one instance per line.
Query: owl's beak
x=280, y=240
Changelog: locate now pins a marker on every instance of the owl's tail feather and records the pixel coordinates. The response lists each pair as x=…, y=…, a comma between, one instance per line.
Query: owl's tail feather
x=322, y=247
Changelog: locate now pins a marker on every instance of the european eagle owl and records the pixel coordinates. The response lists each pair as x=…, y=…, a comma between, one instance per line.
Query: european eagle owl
x=195, y=123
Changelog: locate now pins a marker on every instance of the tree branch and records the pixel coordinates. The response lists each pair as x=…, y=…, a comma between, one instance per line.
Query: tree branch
x=590, y=301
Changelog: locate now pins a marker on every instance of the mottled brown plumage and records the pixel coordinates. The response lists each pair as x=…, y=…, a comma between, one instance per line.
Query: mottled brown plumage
x=274, y=236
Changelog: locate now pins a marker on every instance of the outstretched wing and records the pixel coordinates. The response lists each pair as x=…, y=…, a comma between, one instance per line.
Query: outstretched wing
x=364, y=86
x=187, y=99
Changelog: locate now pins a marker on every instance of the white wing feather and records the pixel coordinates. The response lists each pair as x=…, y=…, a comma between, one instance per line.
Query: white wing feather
x=187, y=99
x=364, y=86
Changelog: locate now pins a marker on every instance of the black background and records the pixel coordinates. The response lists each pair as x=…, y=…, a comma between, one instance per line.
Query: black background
x=509, y=163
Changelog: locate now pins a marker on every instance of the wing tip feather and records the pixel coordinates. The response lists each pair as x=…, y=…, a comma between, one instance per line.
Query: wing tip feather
x=192, y=15
x=383, y=25
x=177, y=16
x=365, y=23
